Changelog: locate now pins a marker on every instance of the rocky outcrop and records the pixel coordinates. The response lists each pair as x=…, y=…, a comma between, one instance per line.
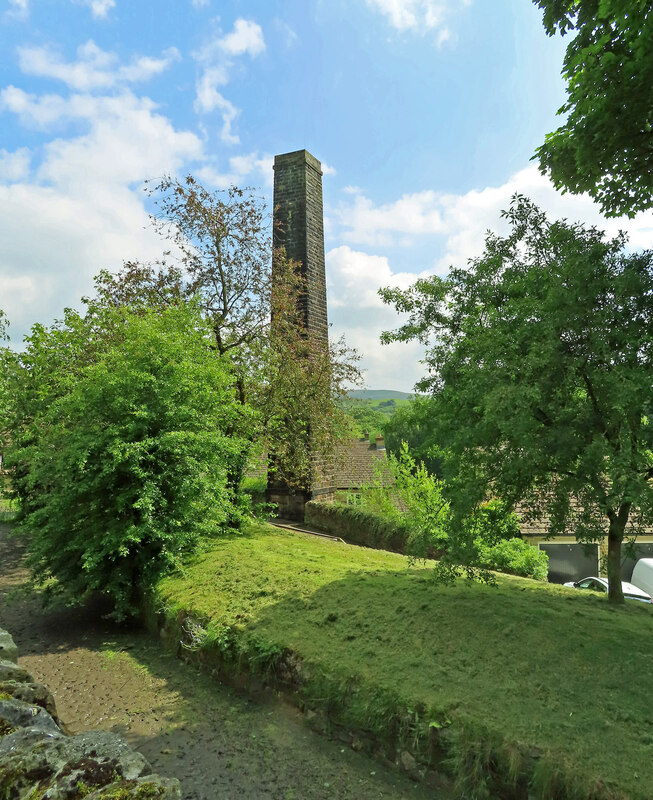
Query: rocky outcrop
x=39, y=760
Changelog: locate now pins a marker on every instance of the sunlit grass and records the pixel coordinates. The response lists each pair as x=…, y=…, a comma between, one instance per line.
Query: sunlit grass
x=535, y=665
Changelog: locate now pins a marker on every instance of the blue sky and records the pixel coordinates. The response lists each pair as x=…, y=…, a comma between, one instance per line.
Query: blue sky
x=425, y=114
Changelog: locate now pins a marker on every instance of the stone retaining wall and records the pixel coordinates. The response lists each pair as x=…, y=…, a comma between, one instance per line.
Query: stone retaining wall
x=39, y=760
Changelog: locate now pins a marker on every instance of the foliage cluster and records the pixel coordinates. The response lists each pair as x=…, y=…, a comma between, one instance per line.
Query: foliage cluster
x=413, y=424
x=125, y=437
x=367, y=418
x=415, y=498
x=359, y=525
x=604, y=146
x=486, y=538
x=380, y=648
x=544, y=347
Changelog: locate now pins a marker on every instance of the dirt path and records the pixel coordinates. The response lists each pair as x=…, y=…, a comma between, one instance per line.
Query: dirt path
x=218, y=743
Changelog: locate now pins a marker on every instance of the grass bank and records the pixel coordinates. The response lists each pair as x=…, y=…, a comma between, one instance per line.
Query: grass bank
x=522, y=684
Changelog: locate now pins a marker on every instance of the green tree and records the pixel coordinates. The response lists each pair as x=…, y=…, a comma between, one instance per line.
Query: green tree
x=605, y=146
x=367, y=418
x=220, y=252
x=123, y=459
x=219, y=249
x=540, y=370
x=414, y=425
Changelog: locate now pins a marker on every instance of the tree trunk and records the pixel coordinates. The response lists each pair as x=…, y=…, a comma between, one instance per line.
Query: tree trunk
x=615, y=538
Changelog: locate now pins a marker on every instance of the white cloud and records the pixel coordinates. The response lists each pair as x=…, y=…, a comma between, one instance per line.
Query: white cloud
x=216, y=60
x=366, y=223
x=355, y=309
x=80, y=209
x=14, y=166
x=99, y=8
x=246, y=37
x=419, y=15
x=459, y=222
x=251, y=168
x=451, y=226
x=94, y=68
x=327, y=169
x=39, y=112
x=199, y=3
x=18, y=9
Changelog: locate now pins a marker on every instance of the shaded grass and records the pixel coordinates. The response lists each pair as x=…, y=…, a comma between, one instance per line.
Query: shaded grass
x=502, y=670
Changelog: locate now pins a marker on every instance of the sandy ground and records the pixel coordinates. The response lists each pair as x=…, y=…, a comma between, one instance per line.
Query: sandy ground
x=218, y=743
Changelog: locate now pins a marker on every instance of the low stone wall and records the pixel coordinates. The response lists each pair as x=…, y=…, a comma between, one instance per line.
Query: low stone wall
x=39, y=760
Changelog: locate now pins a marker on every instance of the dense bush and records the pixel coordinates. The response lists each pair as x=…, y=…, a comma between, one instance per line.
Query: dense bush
x=125, y=463
x=412, y=516
x=358, y=525
x=414, y=500
x=516, y=557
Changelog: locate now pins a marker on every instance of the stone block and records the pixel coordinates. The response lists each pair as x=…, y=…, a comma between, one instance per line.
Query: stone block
x=8, y=649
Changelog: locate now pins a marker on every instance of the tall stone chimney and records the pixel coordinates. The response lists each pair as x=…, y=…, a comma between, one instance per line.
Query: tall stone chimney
x=299, y=228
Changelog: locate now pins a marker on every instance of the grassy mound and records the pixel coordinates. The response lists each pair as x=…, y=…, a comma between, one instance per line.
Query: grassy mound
x=526, y=681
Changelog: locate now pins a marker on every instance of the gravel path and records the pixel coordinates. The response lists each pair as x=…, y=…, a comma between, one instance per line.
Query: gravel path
x=218, y=743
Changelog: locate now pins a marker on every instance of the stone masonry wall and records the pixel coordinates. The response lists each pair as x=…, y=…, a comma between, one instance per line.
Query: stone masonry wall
x=39, y=760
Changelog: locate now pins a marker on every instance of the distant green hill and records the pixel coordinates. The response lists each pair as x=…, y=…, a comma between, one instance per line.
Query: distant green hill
x=379, y=394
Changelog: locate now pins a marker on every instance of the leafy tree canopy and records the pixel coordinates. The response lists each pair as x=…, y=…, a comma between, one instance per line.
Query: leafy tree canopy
x=540, y=365
x=605, y=147
x=219, y=250
x=220, y=255
x=123, y=442
x=413, y=425
x=367, y=419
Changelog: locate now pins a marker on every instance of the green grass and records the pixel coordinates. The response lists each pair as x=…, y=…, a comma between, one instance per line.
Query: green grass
x=505, y=669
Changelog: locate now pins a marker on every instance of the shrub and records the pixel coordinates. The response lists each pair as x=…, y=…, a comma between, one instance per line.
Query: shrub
x=358, y=525
x=516, y=557
x=414, y=499
x=129, y=461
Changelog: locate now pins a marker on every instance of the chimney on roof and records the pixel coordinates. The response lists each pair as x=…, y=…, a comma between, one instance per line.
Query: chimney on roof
x=380, y=442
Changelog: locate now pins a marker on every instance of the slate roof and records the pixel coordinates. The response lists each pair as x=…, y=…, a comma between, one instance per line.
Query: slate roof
x=357, y=461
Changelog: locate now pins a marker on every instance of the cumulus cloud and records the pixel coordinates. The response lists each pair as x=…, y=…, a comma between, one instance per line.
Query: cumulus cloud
x=355, y=309
x=253, y=169
x=246, y=37
x=458, y=223
x=419, y=15
x=216, y=60
x=453, y=226
x=94, y=68
x=14, y=166
x=99, y=8
x=366, y=223
x=80, y=208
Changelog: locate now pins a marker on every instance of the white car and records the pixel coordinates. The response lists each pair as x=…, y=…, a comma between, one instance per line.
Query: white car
x=601, y=585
